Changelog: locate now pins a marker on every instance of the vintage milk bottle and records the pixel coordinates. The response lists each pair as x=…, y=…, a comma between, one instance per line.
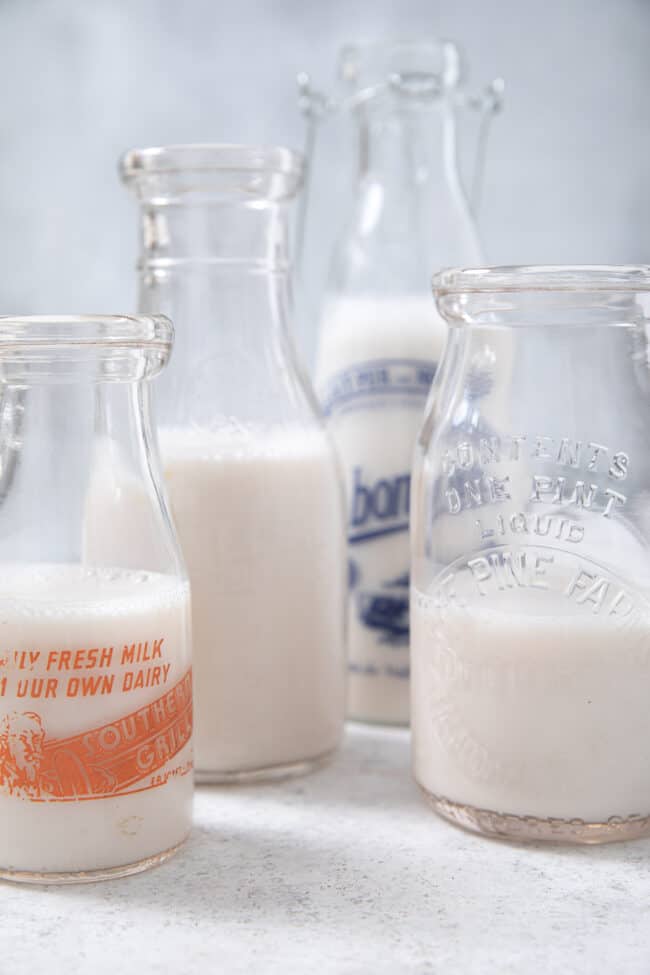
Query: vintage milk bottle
x=251, y=473
x=530, y=604
x=95, y=654
x=381, y=338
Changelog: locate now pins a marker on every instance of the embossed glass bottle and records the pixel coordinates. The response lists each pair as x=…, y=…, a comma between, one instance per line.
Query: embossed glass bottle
x=381, y=338
x=251, y=473
x=531, y=556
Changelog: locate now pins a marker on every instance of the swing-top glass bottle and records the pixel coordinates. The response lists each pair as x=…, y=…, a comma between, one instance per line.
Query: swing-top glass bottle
x=380, y=336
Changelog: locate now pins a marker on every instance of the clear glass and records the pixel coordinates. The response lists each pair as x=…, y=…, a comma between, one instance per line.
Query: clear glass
x=251, y=473
x=381, y=339
x=531, y=556
x=95, y=679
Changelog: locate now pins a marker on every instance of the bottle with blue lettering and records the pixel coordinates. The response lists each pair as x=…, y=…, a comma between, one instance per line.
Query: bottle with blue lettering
x=381, y=339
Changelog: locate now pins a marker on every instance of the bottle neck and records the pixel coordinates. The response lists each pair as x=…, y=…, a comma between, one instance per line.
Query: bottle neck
x=89, y=442
x=412, y=149
x=411, y=216
x=538, y=380
x=253, y=236
x=221, y=272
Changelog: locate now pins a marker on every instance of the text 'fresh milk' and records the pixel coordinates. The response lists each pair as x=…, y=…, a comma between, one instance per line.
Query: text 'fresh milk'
x=95, y=717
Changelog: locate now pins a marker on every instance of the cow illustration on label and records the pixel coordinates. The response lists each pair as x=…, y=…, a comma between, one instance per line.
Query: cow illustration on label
x=21, y=754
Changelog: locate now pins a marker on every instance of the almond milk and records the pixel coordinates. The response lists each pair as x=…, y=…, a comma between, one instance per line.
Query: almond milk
x=95, y=719
x=376, y=360
x=258, y=513
x=534, y=712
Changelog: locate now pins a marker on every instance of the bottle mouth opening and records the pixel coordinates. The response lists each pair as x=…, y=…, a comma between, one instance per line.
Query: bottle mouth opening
x=433, y=62
x=579, y=278
x=176, y=171
x=66, y=347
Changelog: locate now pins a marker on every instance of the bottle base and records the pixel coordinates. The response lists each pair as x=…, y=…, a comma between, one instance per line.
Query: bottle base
x=269, y=773
x=88, y=876
x=531, y=829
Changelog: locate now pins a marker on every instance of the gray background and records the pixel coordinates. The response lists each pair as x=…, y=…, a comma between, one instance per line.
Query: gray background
x=567, y=174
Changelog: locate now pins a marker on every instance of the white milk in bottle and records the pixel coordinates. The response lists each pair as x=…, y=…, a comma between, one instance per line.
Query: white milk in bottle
x=258, y=513
x=95, y=719
x=376, y=361
x=541, y=717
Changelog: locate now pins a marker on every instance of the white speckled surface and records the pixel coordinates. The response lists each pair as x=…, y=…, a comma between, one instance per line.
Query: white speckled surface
x=345, y=871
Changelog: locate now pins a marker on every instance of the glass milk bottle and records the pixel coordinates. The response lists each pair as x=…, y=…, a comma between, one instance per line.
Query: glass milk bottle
x=252, y=476
x=531, y=556
x=381, y=339
x=95, y=680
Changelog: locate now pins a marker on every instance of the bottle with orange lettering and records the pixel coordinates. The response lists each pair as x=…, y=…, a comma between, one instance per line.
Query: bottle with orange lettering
x=95, y=679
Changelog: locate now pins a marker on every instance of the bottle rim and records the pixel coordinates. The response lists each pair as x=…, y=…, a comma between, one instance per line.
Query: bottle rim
x=58, y=333
x=607, y=278
x=207, y=157
x=370, y=61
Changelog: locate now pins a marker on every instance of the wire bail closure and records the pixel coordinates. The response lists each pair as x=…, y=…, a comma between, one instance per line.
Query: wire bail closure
x=317, y=106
